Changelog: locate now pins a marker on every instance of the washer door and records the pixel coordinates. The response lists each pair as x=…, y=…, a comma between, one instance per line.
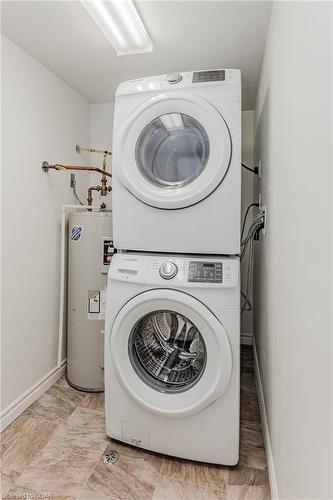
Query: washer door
x=175, y=150
x=170, y=353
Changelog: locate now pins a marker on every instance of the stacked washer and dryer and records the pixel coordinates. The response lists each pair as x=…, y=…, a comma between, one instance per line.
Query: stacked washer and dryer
x=172, y=338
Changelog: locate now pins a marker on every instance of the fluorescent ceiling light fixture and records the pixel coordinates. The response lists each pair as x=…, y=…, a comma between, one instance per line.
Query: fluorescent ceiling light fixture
x=121, y=25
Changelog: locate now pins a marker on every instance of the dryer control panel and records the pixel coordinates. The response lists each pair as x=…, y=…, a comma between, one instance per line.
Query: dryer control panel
x=208, y=76
x=230, y=79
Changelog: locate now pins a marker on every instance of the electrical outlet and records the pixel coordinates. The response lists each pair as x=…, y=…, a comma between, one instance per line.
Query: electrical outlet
x=260, y=168
x=263, y=211
x=73, y=182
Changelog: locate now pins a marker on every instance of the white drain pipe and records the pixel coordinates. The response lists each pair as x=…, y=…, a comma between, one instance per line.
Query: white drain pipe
x=65, y=209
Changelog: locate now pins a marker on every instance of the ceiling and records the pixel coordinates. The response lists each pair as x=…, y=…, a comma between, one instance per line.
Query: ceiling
x=187, y=35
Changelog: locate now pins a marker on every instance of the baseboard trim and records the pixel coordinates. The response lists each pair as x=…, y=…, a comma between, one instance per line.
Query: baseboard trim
x=263, y=413
x=246, y=338
x=12, y=411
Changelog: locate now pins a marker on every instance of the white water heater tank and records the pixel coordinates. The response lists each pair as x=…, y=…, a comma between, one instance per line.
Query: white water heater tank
x=90, y=250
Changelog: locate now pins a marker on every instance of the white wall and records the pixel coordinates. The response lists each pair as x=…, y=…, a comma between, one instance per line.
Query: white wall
x=293, y=272
x=101, y=125
x=42, y=119
x=101, y=130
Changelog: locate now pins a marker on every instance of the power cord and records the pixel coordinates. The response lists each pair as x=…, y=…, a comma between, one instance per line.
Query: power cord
x=73, y=186
x=257, y=232
x=247, y=306
x=257, y=221
x=254, y=170
x=247, y=244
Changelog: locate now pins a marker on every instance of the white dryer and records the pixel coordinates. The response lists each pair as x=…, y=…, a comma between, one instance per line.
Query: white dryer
x=177, y=163
x=172, y=355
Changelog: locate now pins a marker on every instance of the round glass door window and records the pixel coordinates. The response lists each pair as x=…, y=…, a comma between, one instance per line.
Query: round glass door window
x=167, y=351
x=172, y=150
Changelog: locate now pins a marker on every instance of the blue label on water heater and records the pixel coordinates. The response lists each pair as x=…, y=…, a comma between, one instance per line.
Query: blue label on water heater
x=76, y=233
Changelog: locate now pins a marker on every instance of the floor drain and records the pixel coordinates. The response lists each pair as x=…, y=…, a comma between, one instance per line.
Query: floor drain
x=110, y=457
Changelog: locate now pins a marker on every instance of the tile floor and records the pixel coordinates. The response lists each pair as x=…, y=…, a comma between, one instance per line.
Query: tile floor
x=54, y=450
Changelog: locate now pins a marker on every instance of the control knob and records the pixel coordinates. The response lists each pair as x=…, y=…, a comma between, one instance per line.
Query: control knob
x=168, y=270
x=173, y=78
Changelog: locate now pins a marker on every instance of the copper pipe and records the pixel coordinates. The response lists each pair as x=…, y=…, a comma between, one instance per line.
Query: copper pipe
x=108, y=189
x=90, y=190
x=58, y=166
x=104, y=189
x=92, y=150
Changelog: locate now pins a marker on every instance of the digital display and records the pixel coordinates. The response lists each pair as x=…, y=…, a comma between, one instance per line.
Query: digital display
x=205, y=272
x=215, y=75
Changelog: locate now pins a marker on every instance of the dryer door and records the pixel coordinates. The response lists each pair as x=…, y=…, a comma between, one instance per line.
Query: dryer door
x=170, y=353
x=173, y=151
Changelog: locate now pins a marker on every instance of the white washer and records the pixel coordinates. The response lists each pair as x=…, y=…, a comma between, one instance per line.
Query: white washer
x=172, y=355
x=177, y=163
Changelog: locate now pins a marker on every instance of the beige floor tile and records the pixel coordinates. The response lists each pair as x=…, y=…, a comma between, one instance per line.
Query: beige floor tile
x=251, y=437
x=132, y=477
x=247, y=362
x=247, y=396
x=86, y=418
x=89, y=495
x=83, y=434
x=62, y=476
x=57, y=403
x=22, y=442
x=214, y=476
x=247, y=382
x=252, y=451
x=167, y=489
x=247, y=476
x=8, y=478
x=249, y=410
x=255, y=459
x=66, y=462
x=10, y=434
x=94, y=401
x=248, y=493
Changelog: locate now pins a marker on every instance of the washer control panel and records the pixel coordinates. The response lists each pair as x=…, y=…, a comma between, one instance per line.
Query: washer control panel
x=178, y=271
x=205, y=272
